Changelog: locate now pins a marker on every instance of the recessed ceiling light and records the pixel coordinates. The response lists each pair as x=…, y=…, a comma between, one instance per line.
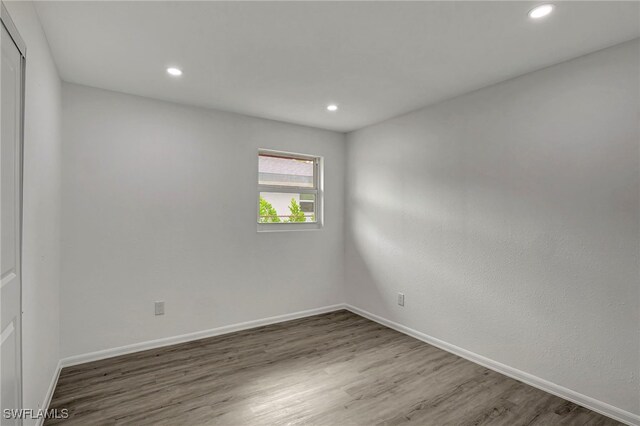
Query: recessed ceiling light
x=174, y=71
x=540, y=11
x=332, y=107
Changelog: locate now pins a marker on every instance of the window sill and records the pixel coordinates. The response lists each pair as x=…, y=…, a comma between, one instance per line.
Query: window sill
x=288, y=227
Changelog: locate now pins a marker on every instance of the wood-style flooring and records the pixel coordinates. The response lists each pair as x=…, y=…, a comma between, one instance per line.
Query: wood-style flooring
x=331, y=369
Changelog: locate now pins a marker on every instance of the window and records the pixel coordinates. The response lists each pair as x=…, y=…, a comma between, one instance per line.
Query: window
x=289, y=191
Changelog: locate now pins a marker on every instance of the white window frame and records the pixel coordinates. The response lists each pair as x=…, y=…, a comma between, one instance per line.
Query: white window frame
x=318, y=191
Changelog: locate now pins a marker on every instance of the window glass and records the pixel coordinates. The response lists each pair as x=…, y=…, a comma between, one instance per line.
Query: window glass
x=285, y=171
x=286, y=207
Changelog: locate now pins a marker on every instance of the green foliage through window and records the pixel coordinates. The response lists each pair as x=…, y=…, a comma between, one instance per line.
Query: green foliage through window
x=296, y=215
x=267, y=213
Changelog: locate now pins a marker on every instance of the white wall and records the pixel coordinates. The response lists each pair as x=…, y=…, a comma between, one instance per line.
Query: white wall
x=41, y=235
x=160, y=202
x=510, y=219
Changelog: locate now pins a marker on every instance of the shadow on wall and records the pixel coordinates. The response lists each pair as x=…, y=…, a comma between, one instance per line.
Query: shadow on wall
x=476, y=254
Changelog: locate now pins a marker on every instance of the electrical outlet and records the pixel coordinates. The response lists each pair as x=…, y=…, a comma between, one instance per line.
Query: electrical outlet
x=159, y=308
x=401, y=299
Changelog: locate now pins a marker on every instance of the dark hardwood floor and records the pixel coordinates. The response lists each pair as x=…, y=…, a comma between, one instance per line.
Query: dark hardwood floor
x=331, y=369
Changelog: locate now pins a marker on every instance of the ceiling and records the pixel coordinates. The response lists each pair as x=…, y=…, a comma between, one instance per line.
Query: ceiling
x=288, y=60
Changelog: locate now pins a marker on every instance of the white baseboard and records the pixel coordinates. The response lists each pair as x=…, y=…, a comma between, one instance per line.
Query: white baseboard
x=552, y=388
x=166, y=341
x=50, y=390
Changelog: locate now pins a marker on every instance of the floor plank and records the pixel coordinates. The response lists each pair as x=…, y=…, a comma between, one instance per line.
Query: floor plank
x=331, y=369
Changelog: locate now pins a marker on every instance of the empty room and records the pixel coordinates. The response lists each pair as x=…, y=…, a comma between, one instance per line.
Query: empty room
x=320, y=213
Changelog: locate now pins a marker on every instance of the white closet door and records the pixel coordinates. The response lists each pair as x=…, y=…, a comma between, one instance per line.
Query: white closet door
x=10, y=227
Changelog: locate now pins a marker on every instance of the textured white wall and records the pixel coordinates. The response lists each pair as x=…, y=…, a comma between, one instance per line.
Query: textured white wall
x=159, y=203
x=510, y=219
x=41, y=234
